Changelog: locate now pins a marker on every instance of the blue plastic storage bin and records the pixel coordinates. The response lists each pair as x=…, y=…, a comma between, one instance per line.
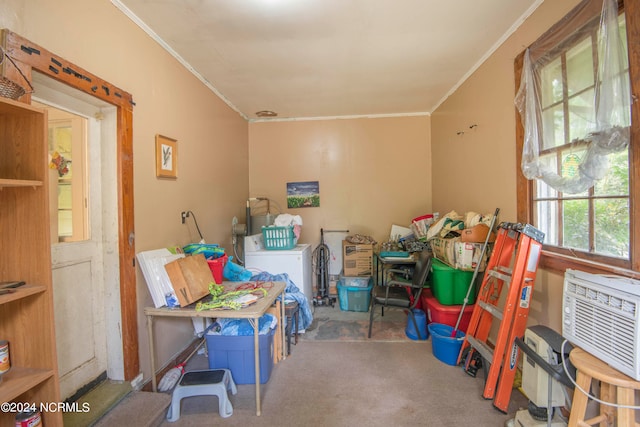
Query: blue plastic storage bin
x=236, y=354
x=354, y=298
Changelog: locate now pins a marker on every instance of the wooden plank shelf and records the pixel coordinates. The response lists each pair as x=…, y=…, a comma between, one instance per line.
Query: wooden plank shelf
x=20, y=380
x=21, y=292
x=19, y=183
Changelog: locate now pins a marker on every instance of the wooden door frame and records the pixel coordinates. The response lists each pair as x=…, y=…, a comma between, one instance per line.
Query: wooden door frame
x=29, y=56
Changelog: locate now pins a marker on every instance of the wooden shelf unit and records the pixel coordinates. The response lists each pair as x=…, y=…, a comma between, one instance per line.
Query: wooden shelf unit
x=26, y=315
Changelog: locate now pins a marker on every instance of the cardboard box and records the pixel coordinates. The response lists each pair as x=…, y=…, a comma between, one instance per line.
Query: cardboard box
x=190, y=277
x=468, y=255
x=477, y=234
x=458, y=254
x=357, y=259
x=445, y=250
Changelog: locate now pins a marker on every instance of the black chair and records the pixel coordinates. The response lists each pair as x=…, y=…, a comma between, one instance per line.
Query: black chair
x=402, y=292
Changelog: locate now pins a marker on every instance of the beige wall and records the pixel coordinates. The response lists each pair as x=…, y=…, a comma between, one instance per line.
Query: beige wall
x=373, y=172
x=484, y=156
x=212, y=138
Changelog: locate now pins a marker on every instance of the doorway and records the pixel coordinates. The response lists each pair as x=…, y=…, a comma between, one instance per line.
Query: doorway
x=84, y=259
x=121, y=303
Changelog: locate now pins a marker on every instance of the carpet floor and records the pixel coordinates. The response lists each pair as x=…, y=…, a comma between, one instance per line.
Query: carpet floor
x=330, y=383
x=333, y=324
x=336, y=376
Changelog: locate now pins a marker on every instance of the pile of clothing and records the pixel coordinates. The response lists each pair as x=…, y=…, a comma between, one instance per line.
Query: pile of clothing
x=292, y=293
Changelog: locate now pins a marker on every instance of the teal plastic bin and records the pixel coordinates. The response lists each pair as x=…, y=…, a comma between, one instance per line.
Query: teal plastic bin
x=354, y=298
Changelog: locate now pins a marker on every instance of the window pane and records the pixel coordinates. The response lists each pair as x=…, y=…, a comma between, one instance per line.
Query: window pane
x=616, y=182
x=545, y=218
x=67, y=152
x=65, y=224
x=571, y=164
x=582, y=115
x=580, y=72
x=65, y=198
x=612, y=227
x=575, y=227
x=572, y=158
x=544, y=191
x=551, y=78
x=550, y=161
x=553, y=127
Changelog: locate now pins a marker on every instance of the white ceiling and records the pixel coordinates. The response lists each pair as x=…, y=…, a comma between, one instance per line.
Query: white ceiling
x=330, y=58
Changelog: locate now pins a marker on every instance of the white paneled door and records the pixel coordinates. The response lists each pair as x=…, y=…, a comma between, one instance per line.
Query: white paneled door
x=78, y=240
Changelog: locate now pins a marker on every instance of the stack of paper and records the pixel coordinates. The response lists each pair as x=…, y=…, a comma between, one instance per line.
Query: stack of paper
x=152, y=265
x=246, y=300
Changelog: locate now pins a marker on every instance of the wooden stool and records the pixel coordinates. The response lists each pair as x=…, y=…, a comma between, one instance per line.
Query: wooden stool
x=292, y=312
x=614, y=387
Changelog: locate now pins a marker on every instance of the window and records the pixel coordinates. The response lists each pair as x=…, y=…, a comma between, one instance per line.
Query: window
x=592, y=229
x=69, y=189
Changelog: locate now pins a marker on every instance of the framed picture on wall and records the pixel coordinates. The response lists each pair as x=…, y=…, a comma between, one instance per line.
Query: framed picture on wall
x=303, y=194
x=166, y=157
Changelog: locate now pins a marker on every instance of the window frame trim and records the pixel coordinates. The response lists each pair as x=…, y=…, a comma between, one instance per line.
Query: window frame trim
x=559, y=259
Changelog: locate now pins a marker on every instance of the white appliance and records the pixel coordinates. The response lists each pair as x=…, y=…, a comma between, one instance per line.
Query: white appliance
x=535, y=380
x=601, y=314
x=295, y=262
x=541, y=341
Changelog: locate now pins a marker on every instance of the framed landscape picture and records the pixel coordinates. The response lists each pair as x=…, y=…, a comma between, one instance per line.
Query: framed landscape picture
x=303, y=194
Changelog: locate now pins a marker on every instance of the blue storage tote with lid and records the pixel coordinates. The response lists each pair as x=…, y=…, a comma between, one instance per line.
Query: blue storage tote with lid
x=230, y=345
x=236, y=353
x=355, y=281
x=354, y=298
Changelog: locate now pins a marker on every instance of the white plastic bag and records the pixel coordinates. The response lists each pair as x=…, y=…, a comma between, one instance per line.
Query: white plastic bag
x=609, y=133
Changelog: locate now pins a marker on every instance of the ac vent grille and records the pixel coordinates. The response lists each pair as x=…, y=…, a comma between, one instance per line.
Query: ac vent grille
x=603, y=321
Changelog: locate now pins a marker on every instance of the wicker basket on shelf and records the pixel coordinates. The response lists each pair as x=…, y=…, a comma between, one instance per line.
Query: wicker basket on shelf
x=9, y=88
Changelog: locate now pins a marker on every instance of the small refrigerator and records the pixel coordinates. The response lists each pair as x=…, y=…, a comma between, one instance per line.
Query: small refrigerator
x=295, y=262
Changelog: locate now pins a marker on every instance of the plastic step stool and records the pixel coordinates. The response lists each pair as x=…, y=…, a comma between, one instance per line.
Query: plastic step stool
x=210, y=382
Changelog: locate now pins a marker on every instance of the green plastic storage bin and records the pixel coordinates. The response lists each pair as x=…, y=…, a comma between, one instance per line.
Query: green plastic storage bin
x=449, y=285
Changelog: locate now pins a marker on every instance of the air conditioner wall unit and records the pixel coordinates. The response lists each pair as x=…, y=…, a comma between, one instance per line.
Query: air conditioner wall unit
x=601, y=314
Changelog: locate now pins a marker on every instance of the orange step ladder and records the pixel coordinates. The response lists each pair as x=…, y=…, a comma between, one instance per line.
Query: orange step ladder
x=513, y=263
